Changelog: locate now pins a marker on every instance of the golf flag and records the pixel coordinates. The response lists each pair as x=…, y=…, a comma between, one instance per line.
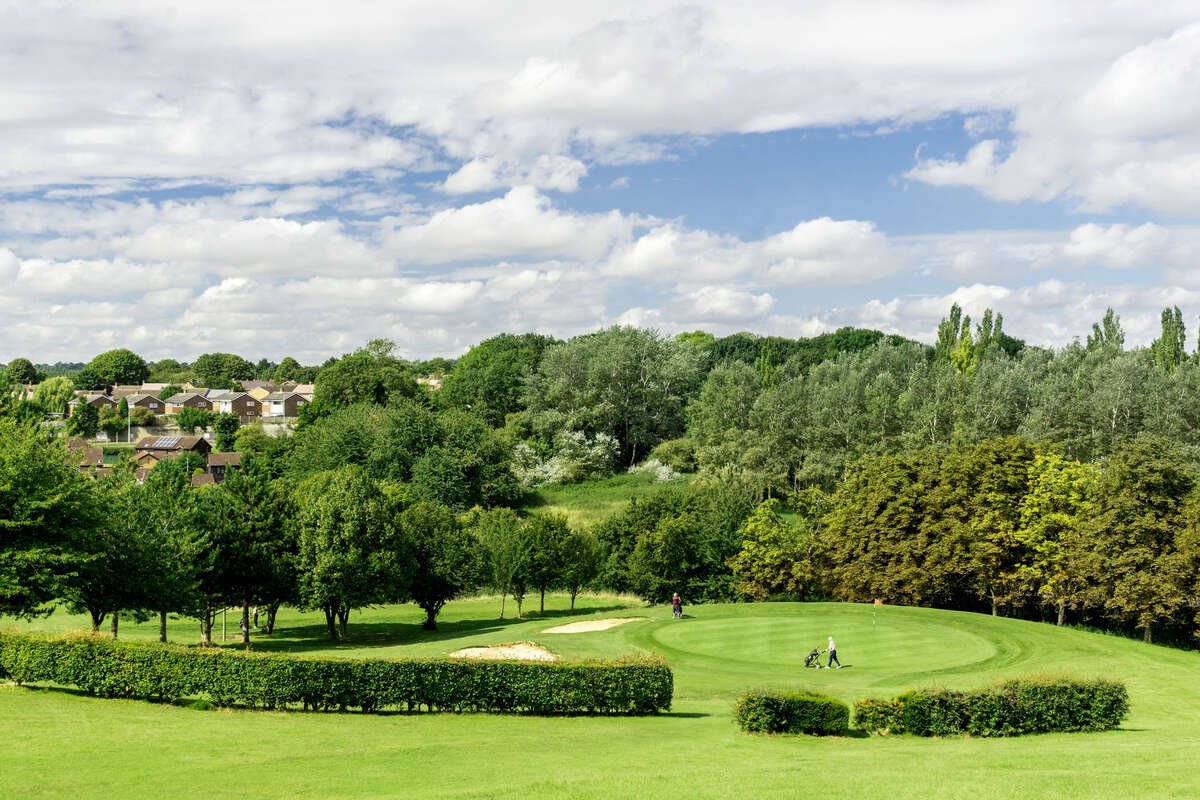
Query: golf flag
x=878, y=602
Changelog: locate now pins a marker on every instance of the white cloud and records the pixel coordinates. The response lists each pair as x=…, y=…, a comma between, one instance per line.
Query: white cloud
x=559, y=173
x=830, y=252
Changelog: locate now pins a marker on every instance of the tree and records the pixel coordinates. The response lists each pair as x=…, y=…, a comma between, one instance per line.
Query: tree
x=286, y=371
x=111, y=420
x=505, y=552
x=48, y=511
x=667, y=559
x=88, y=379
x=53, y=394
x=189, y=419
x=21, y=370
x=776, y=559
x=169, y=391
x=221, y=370
x=469, y=465
x=174, y=547
x=443, y=555
x=371, y=374
x=350, y=550
x=487, y=380
x=1107, y=334
x=225, y=426
x=581, y=559
x=84, y=420
x=1169, y=349
x=629, y=383
x=119, y=367
x=546, y=539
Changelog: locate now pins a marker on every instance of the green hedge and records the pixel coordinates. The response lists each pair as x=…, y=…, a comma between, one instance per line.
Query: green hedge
x=167, y=672
x=792, y=712
x=1010, y=708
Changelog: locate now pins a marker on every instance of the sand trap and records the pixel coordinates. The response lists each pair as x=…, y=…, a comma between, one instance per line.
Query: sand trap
x=592, y=625
x=515, y=651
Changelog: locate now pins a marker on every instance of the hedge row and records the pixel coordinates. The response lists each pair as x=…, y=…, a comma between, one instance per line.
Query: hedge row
x=166, y=672
x=1011, y=708
x=792, y=712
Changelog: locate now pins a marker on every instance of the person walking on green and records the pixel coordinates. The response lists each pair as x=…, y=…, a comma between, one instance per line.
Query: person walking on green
x=833, y=654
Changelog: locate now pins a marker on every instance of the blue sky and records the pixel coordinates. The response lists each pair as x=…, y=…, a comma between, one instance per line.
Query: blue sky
x=293, y=179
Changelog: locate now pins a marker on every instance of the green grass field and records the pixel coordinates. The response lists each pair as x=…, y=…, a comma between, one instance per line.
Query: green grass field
x=592, y=501
x=60, y=744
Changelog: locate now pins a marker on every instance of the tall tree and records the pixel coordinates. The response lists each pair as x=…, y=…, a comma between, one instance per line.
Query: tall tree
x=22, y=371
x=119, y=366
x=546, y=537
x=372, y=374
x=53, y=394
x=443, y=557
x=1169, y=349
x=582, y=556
x=487, y=380
x=505, y=551
x=776, y=559
x=222, y=370
x=1107, y=333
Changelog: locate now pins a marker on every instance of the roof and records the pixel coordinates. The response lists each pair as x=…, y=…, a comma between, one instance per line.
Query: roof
x=225, y=459
x=151, y=388
x=92, y=398
x=281, y=396
x=248, y=385
x=258, y=392
x=305, y=388
x=169, y=443
x=203, y=479
x=228, y=396
x=89, y=456
x=124, y=391
x=134, y=398
x=183, y=397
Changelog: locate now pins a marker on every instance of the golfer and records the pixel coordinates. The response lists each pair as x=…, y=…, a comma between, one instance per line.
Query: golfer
x=833, y=654
x=676, y=606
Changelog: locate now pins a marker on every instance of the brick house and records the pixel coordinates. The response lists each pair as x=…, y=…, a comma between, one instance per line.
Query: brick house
x=147, y=401
x=98, y=400
x=160, y=447
x=283, y=404
x=240, y=403
x=176, y=402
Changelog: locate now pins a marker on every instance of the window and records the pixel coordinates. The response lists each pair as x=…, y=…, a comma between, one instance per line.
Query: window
x=154, y=405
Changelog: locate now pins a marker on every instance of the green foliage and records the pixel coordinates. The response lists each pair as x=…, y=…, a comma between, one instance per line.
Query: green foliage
x=140, y=416
x=53, y=394
x=48, y=513
x=487, y=379
x=226, y=427
x=678, y=454
x=117, y=367
x=21, y=370
x=1170, y=349
x=189, y=419
x=88, y=379
x=84, y=420
x=582, y=558
x=112, y=421
x=546, y=537
x=221, y=370
x=629, y=383
x=1011, y=708
x=371, y=375
x=252, y=680
x=505, y=552
x=792, y=712
x=443, y=556
x=776, y=559
x=1107, y=333
x=287, y=370
x=169, y=391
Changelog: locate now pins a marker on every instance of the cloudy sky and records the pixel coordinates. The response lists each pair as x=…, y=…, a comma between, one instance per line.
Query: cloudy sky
x=290, y=178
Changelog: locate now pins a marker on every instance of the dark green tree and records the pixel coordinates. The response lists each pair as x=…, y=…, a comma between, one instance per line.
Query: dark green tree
x=221, y=370
x=488, y=379
x=21, y=370
x=84, y=420
x=226, y=427
x=119, y=366
x=443, y=555
x=546, y=538
x=582, y=557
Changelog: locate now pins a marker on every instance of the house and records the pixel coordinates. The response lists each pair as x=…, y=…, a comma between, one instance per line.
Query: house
x=98, y=400
x=250, y=386
x=176, y=402
x=90, y=457
x=259, y=392
x=283, y=404
x=153, y=388
x=148, y=401
x=160, y=447
x=240, y=403
x=219, y=463
x=305, y=390
x=119, y=391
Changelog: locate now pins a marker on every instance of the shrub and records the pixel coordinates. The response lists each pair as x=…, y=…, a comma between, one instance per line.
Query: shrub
x=169, y=672
x=661, y=472
x=678, y=454
x=792, y=712
x=142, y=417
x=1010, y=708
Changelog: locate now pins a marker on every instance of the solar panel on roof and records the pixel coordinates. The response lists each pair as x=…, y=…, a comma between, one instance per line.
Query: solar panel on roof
x=167, y=442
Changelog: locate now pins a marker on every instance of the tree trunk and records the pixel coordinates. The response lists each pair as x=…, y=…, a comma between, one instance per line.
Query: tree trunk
x=1062, y=612
x=573, y=601
x=1148, y=637
x=331, y=620
x=206, y=628
x=519, y=600
x=271, y=611
x=542, y=608
x=115, y=621
x=430, y=619
x=343, y=618
x=503, y=597
x=246, y=622
x=97, y=619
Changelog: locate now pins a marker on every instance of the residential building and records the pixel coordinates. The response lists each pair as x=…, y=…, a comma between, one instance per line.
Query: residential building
x=177, y=402
x=240, y=403
x=283, y=404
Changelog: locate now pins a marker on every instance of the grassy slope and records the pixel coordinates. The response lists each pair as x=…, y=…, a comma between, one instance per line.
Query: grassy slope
x=592, y=501
x=60, y=744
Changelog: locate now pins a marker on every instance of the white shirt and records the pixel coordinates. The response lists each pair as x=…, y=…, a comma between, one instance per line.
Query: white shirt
x=832, y=646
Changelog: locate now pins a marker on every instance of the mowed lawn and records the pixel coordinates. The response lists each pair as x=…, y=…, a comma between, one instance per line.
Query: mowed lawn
x=59, y=744
x=590, y=502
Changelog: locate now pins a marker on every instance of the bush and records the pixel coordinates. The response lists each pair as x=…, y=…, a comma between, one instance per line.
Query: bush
x=142, y=417
x=792, y=712
x=1010, y=708
x=169, y=672
x=678, y=454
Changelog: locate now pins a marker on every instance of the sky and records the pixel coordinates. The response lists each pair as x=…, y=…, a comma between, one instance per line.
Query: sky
x=293, y=178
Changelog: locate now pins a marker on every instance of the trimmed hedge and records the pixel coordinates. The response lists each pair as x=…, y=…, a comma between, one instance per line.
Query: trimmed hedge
x=1010, y=708
x=792, y=712
x=167, y=672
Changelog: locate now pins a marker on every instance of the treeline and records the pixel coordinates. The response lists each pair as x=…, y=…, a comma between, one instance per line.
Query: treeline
x=1005, y=526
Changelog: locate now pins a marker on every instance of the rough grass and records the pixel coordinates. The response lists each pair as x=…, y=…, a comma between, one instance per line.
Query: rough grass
x=59, y=744
x=592, y=501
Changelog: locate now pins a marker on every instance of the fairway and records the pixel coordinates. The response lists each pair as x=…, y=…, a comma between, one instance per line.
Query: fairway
x=61, y=744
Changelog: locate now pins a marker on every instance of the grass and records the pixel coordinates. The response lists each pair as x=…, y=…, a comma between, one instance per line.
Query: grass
x=593, y=501
x=60, y=744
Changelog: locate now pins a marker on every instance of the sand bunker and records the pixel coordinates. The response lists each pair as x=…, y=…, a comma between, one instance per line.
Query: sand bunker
x=592, y=625
x=515, y=651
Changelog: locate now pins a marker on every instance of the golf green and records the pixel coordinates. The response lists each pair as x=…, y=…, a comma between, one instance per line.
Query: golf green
x=60, y=744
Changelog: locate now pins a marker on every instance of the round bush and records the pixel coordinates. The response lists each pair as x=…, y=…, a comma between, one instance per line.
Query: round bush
x=792, y=712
